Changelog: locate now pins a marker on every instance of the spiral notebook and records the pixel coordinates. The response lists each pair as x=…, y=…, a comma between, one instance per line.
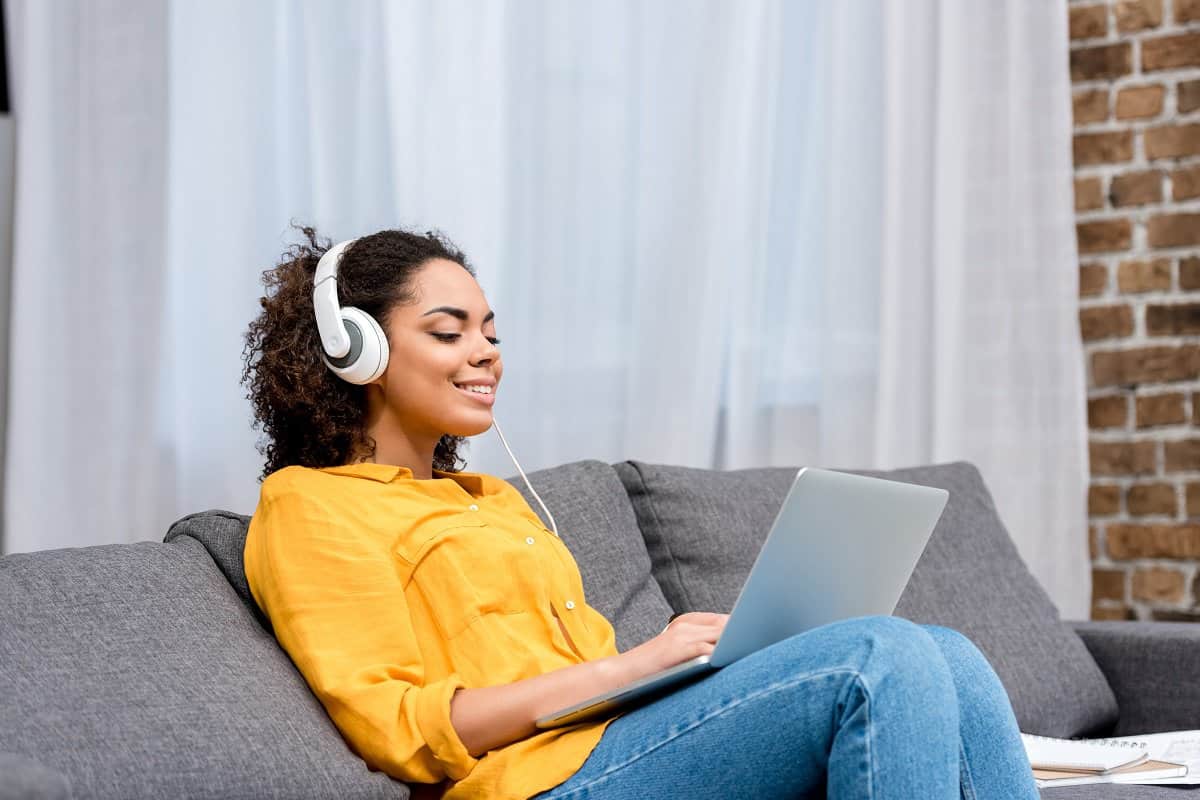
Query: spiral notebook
x=1073, y=762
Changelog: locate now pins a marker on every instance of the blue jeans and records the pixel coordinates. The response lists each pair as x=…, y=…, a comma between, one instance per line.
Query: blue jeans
x=871, y=707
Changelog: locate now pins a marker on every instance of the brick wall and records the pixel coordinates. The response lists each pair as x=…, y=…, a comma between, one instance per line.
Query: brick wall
x=1135, y=68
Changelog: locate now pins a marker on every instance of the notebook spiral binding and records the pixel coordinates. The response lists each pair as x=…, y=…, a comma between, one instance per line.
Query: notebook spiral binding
x=1103, y=742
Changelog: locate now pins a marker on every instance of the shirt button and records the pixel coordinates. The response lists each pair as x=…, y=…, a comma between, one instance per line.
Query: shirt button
x=570, y=604
x=473, y=507
x=528, y=540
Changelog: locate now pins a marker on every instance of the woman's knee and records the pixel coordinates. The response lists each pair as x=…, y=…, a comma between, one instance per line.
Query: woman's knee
x=958, y=650
x=897, y=645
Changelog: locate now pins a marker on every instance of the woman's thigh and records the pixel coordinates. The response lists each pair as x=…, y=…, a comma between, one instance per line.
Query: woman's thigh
x=840, y=705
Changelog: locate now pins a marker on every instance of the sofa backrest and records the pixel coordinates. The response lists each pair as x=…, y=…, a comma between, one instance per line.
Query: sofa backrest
x=134, y=671
x=704, y=528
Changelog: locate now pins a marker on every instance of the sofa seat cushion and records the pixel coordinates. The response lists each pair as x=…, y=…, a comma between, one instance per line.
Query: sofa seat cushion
x=1112, y=791
x=704, y=529
x=135, y=672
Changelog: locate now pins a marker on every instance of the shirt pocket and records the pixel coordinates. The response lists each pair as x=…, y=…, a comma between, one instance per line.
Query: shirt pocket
x=465, y=570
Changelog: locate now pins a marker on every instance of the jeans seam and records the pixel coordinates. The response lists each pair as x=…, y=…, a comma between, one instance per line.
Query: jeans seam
x=870, y=761
x=722, y=710
x=965, y=780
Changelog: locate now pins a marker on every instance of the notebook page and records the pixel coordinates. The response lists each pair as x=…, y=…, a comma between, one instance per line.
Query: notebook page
x=1095, y=755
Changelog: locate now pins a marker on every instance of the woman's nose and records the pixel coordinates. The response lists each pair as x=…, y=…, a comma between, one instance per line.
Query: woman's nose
x=488, y=354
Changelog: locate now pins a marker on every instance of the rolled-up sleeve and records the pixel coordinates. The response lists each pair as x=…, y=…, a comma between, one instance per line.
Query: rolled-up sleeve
x=337, y=605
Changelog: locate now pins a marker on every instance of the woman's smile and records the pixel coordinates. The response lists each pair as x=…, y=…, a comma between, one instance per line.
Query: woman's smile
x=480, y=392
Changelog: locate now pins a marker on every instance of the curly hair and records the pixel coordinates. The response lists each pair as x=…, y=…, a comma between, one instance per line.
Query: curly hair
x=309, y=416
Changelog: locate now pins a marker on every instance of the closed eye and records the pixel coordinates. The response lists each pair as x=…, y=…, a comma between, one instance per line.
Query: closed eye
x=450, y=337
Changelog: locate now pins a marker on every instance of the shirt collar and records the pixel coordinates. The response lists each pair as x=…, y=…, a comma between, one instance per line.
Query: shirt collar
x=473, y=482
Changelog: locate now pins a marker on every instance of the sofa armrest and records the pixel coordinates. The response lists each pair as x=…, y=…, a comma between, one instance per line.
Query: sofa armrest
x=1151, y=667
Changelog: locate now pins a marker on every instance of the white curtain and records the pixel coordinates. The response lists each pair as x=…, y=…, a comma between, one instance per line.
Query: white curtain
x=87, y=312
x=714, y=233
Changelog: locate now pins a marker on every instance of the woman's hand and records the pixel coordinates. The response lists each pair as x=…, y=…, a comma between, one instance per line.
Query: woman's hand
x=685, y=637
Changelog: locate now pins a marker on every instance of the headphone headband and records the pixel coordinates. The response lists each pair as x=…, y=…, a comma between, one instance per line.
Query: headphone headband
x=355, y=346
x=335, y=339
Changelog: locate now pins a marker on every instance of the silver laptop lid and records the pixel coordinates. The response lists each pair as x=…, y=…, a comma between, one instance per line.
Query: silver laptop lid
x=841, y=546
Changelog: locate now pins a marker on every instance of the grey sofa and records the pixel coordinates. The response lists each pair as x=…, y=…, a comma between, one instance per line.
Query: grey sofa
x=146, y=671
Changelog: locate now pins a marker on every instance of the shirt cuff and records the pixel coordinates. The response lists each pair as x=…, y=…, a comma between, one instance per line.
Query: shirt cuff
x=433, y=717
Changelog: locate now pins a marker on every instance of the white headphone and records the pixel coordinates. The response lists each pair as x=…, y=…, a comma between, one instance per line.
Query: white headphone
x=355, y=346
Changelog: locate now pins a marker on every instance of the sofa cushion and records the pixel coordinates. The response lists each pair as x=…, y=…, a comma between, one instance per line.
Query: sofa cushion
x=597, y=524
x=1112, y=791
x=22, y=778
x=135, y=672
x=223, y=534
x=704, y=528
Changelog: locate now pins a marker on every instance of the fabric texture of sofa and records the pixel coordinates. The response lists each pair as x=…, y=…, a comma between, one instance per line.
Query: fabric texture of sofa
x=146, y=671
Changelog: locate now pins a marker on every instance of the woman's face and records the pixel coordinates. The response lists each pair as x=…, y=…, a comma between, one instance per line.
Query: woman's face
x=440, y=344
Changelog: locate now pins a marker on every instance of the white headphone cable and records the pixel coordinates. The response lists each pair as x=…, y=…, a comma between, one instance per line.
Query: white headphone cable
x=496, y=425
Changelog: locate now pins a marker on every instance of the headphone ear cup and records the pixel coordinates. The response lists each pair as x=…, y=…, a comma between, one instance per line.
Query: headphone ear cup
x=368, y=356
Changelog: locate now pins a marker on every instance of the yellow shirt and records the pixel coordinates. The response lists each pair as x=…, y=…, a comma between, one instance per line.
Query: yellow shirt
x=389, y=593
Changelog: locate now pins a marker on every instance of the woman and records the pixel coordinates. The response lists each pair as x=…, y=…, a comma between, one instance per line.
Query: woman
x=436, y=618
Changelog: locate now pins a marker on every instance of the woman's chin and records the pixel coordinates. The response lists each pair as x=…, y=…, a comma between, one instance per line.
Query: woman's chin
x=477, y=424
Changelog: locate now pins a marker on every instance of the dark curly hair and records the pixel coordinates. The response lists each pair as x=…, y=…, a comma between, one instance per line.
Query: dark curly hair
x=308, y=415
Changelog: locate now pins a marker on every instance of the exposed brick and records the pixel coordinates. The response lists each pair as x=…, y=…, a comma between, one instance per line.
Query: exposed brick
x=1108, y=584
x=1131, y=540
x=1175, y=319
x=1136, y=188
x=1138, y=102
x=1146, y=365
x=1189, y=272
x=1187, y=10
x=1104, y=235
x=1093, y=279
x=1160, y=409
x=1151, y=498
x=1090, y=105
x=1103, y=500
x=1121, y=458
x=1093, y=543
x=1182, y=455
x=1105, y=322
x=1103, y=62
x=1188, y=96
x=1193, y=499
x=1174, y=615
x=1173, y=230
x=1166, y=141
x=1112, y=613
x=1089, y=194
x=1170, y=52
x=1159, y=584
x=1088, y=22
x=1110, y=147
x=1144, y=276
x=1138, y=15
x=1108, y=412
x=1185, y=183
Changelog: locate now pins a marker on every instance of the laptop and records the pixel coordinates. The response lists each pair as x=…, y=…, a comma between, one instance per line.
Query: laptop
x=841, y=546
